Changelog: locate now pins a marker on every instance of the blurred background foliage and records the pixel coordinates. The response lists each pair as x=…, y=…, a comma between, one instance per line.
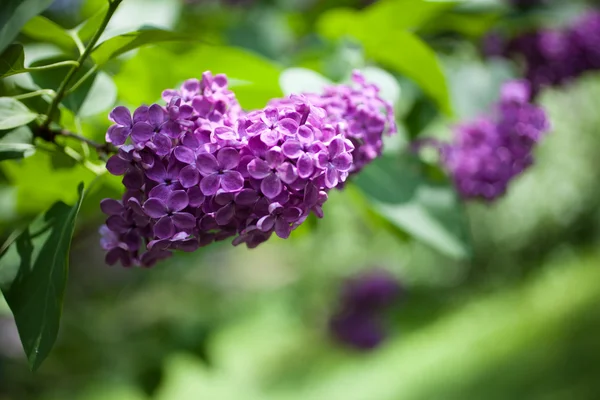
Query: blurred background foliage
x=499, y=300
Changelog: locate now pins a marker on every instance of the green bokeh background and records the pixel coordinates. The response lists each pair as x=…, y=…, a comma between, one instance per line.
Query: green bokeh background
x=519, y=319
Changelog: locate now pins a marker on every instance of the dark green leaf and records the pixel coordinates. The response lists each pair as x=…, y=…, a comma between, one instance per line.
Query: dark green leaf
x=13, y=113
x=428, y=211
x=33, y=278
x=118, y=45
x=16, y=144
x=422, y=113
x=14, y=14
x=12, y=61
x=44, y=30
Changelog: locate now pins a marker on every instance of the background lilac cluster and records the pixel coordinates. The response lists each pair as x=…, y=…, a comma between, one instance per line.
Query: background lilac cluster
x=357, y=322
x=553, y=56
x=489, y=152
x=200, y=169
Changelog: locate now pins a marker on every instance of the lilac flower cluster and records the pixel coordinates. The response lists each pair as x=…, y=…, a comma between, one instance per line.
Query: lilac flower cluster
x=357, y=322
x=553, y=57
x=200, y=169
x=489, y=152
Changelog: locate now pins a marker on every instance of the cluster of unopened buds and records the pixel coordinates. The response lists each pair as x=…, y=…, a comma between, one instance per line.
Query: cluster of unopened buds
x=200, y=169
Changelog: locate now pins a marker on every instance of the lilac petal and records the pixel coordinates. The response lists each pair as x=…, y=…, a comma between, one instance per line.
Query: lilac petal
x=288, y=126
x=178, y=200
x=185, y=154
x=274, y=157
x=207, y=164
x=135, y=206
x=287, y=173
x=189, y=176
x=117, y=135
x=190, y=140
x=111, y=207
x=156, y=115
x=184, y=221
x=196, y=197
x=202, y=105
x=282, y=228
x=210, y=184
x=121, y=116
x=116, y=223
x=271, y=186
x=155, y=208
x=270, y=137
x=342, y=161
x=163, y=144
x=322, y=160
x=117, y=166
x=271, y=115
x=266, y=223
x=291, y=214
x=185, y=111
x=336, y=147
x=292, y=149
x=228, y=158
x=256, y=128
x=258, y=169
x=188, y=246
x=118, y=254
x=246, y=197
x=225, y=214
x=232, y=181
x=161, y=192
x=225, y=133
x=133, y=179
x=305, y=166
x=311, y=194
x=306, y=134
x=331, y=177
x=142, y=132
x=157, y=173
x=164, y=228
x=140, y=114
x=222, y=198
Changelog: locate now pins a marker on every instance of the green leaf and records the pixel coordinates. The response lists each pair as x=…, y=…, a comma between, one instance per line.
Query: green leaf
x=118, y=45
x=12, y=61
x=13, y=113
x=86, y=30
x=428, y=211
x=16, y=144
x=39, y=260
x=302, y=80
x=382, y=29
x=14, y=14
x=421, y=114
x=253, y=78
x=44, y=30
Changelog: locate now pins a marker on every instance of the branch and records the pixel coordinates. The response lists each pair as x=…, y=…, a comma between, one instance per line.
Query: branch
x=50, y=135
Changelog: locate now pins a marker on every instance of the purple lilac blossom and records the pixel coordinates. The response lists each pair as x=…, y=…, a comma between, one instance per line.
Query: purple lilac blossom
x=552, y=57
x=357, y=322
x=199, y=169
x=489, y=152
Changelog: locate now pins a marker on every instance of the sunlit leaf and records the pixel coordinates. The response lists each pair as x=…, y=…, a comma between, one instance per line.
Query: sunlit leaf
x=12, y=61
x=430, y=212
x=13, y=113
x=253, y=79
x=16, y=144
x=86, y=30
x=118, y=45
x=14, y=14
x=39, y=262
x=44, y=30
x=302, y=80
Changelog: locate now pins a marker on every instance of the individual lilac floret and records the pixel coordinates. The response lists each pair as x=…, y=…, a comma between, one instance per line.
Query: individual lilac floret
x=357, y=320
x=199, y=170
x=489, y=152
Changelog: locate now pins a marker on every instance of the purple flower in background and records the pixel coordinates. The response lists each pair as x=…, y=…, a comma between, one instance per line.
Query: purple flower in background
x=489, y=152
x=200, y=170
x=357, y=320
